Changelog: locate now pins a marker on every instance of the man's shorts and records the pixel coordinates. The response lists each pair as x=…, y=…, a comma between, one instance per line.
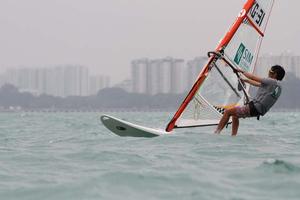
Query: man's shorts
x=248, y=110
x=243, y=111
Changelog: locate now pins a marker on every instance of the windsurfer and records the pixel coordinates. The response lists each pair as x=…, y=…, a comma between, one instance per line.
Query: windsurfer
x=267, y=94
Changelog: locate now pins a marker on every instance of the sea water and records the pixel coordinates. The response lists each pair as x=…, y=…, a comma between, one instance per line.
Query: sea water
x=73, y=156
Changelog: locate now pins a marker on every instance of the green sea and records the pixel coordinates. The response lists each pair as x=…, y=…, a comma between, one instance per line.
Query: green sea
x=73, y=156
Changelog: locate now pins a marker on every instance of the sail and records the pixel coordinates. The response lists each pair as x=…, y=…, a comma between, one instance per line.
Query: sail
x=218, y=86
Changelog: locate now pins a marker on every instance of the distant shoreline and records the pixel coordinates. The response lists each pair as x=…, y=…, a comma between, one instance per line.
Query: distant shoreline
x=81, y=110
x=111, y=110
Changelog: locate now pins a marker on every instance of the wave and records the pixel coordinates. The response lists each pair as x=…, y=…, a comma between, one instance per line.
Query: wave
x=279, y=166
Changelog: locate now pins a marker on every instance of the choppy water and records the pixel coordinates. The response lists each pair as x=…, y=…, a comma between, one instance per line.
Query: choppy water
x=72, y=156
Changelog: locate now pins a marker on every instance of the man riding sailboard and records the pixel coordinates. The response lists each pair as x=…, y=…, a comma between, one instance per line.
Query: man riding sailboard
x=266, y=96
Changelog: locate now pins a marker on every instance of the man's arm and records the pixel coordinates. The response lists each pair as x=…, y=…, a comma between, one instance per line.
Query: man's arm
x=250, y=76
x=252, y=82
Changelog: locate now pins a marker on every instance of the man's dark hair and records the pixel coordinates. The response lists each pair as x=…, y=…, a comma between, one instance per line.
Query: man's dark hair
x=280, y=72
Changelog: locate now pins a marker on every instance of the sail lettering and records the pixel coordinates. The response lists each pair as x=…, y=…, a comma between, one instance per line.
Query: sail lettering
x=257, y=14
x=243, y=57
x=248, y=57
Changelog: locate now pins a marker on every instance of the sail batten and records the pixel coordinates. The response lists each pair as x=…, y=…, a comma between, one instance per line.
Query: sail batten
x=218, y=87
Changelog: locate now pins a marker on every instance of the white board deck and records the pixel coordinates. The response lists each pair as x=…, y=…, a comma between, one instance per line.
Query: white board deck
x=124, y=128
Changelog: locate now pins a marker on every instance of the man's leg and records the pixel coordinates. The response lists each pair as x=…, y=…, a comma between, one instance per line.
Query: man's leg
x=235, y=125
x=227, y=114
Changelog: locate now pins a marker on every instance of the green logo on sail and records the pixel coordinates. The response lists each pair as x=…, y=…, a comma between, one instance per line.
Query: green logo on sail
x=243, y=57
x=239, y=54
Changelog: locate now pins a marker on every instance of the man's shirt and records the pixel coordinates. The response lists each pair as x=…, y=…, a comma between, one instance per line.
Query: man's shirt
x=267, y=95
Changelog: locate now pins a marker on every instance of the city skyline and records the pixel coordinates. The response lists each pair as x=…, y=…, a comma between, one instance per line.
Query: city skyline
x=61, y=81
x=179, y=75
x=107, y=35
x=148, y=76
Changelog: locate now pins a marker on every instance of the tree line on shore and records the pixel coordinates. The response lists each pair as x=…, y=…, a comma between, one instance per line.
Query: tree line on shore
x=108, y=98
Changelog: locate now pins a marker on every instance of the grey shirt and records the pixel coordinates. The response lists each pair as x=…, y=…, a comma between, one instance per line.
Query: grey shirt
x=267, y=95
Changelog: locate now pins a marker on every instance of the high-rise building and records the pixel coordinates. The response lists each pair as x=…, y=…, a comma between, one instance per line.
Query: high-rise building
x=139, y=75
x=153, y=77
x=158, y=76
x=164, y=76
x=41, y=81
x=178, y=77
x=24, y=78
x=57, y=81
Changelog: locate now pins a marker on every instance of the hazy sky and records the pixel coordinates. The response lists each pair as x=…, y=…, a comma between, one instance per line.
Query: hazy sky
x=106, y=35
